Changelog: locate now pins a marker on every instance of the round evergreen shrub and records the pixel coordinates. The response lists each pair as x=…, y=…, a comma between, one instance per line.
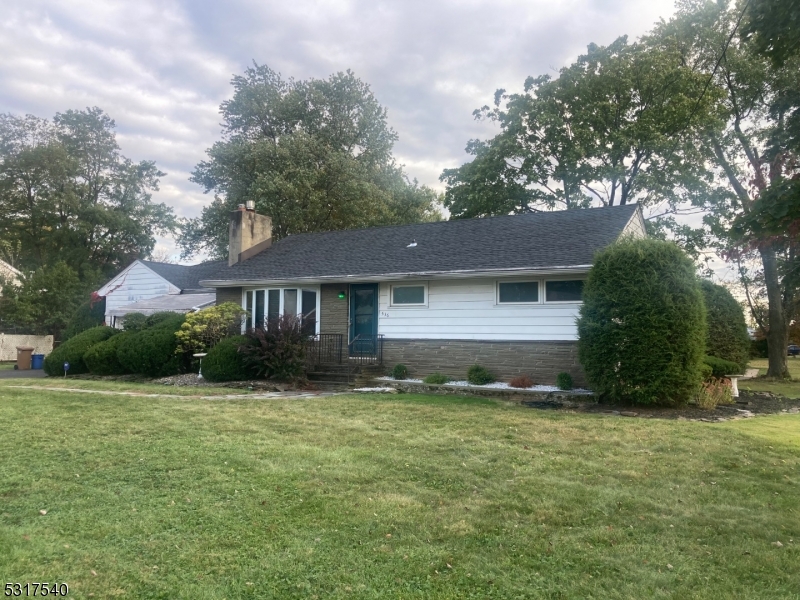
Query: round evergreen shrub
x=151, y=351
x=73, y=351
x=436, y=379
x=721, y=367
x=91, y=313
x=642, y=325
x=224, y=362
x=727, y=336
x=400, y=372
x=134, y=322
x=478, y=375
x=564, y=381
x=101, y=359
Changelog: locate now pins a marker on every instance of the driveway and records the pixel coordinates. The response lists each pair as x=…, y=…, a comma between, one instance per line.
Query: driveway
x=29, y=374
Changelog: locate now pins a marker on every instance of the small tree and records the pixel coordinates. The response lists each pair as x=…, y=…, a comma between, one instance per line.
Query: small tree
x=642, y=325
x=727, y=330
x=202, y=330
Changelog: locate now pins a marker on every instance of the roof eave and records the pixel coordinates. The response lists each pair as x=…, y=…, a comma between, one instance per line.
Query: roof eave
x=554, y=270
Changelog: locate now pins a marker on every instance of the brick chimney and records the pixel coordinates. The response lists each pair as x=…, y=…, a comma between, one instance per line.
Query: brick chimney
x=248, y=234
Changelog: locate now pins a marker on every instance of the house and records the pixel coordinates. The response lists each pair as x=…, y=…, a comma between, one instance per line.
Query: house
x=147, y=287
x=9, y=274
x=503, y=292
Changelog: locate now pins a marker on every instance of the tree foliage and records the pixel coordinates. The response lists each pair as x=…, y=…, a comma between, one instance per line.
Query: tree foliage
x=774, y=26
x=727, y=336
x=202, y=330
x=67, y=194
x=614, y=127
x=314, y=155
x=642, y=328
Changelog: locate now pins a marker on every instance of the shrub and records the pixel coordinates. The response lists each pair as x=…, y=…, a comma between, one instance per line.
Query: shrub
x=720, y=367
x=478, y=375
x=400, y=372
x=101, y=359
x=713, y=393
x=758, y=349
x=151, y=351
x=203, y=329
x=134, y=322
x=436, y=379
x=521, y=381
x=278, y=350
x=564, y=381
x=727, y=336
x=226, y=362
x=91, y=313
x=707, y=371
x=642, y=329
x=73, y=351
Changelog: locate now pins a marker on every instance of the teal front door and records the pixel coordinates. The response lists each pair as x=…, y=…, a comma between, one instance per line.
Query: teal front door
x=363, y=317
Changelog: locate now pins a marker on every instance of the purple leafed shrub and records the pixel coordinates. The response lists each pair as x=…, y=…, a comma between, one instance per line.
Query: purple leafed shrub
x=278, y=350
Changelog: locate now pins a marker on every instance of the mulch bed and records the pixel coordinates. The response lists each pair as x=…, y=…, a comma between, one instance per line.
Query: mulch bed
x=749, y=404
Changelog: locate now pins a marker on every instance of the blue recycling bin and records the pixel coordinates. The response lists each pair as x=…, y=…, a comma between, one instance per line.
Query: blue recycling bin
x=37, y=361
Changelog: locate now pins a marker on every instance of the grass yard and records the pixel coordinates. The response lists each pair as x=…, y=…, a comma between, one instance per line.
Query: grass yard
x=790, y=389
x=391, y=497
x=123, y=386
x=4, y=366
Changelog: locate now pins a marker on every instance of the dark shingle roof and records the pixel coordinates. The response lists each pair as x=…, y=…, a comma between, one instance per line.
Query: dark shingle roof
x=531, y=241
x=186, y=277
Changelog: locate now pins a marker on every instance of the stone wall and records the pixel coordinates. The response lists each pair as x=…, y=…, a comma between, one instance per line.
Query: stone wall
x=334, y=311
x=43, y=344
x=542, y=361
x=229, y=295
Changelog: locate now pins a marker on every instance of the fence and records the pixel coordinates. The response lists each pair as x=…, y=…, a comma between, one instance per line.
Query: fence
x=43, y=344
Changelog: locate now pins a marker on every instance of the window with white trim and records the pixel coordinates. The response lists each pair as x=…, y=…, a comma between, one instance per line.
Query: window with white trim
x=409, y=295
x=518, y=292
x=266, y=304
x=564, y=290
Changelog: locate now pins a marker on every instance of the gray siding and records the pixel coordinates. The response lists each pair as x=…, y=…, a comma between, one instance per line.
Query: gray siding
x=542, y=361
x=333, y=316
x=229, y=295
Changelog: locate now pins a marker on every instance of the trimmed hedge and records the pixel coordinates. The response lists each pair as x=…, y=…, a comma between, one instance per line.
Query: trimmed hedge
x=727, y=336
x=151, y=351
x=721, y=367
x=224, y=362
x=642, y=325
x=102, y=359
x=437, y=379
x=90, y=314
x=73, y=351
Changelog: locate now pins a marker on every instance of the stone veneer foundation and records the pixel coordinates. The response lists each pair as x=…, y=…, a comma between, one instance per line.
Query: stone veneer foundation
x=542, y=361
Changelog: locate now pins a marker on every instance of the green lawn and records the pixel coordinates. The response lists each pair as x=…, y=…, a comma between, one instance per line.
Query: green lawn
x=391, y=497
x=790, y=389
x=6, y=365
x=122, y=386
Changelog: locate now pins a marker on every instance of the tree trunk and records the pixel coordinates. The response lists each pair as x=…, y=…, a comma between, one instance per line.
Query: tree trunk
x=778, y=333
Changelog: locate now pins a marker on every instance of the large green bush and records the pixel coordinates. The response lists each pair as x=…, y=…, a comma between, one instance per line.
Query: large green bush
x=102, y=359
x=727, y=336
x=478, y=375
x=91, y=313
x=151, y=351
x=721, y=367
x=225, y=362
x=642, y=325
x=73, y=351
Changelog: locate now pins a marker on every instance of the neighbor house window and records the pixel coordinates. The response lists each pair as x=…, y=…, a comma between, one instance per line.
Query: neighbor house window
x=564, y=291
x=408, y=295
x=515, y=292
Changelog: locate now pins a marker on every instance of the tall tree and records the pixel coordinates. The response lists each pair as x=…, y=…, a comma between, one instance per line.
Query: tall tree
x=750, y=155
x=614, y=127
x=67, y=194
x=314, y=155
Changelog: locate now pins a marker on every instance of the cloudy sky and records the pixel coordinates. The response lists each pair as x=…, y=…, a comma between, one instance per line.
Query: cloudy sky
x=161, y=68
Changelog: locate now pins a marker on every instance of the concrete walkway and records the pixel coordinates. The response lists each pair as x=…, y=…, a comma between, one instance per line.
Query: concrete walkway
x=29, y=374
x=264, y=396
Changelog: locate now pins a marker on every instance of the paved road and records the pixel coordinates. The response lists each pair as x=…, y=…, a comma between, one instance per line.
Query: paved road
x=30, y=374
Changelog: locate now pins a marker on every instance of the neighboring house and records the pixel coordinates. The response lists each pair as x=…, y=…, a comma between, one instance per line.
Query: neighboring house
x=146, y=286
x=503, y=292
x=9, y=273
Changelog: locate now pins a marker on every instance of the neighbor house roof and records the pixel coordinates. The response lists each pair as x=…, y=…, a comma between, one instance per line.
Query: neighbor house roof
x=536, y=241
x=179, y=303
x=185, y=277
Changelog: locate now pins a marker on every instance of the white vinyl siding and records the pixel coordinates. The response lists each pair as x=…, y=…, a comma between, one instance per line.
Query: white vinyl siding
x=135, y=283
x=467, y=309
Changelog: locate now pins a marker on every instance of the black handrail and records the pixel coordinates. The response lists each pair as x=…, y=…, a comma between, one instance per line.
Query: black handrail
x=325, y=348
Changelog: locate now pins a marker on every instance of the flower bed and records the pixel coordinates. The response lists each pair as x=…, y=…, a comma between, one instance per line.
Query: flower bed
x=498, y=385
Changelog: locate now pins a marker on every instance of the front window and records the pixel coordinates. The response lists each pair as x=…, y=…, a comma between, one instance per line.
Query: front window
x=269, y=304
x=518, y=292
x=405, y=295
x=564, y=291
